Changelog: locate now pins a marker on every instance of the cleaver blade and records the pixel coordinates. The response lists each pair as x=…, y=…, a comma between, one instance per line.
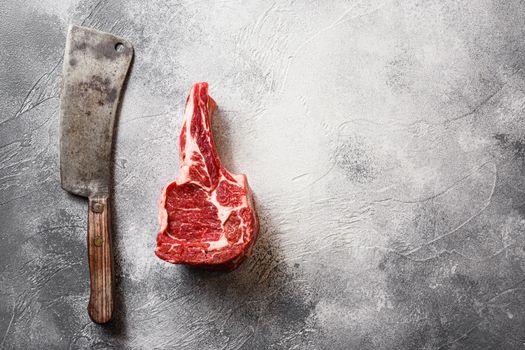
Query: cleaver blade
x=95, y=67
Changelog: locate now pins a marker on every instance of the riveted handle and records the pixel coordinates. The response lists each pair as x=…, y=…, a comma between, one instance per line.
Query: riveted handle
x=100, y=307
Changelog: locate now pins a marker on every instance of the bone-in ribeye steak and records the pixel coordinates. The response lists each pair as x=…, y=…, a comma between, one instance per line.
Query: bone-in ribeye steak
x=207, y=216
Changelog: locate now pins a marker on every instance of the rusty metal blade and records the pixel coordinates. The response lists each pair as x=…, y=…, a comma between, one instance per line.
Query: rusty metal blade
x=95, y=67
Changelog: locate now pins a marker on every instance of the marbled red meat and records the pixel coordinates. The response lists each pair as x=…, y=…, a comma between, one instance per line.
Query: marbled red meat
x=207, y=216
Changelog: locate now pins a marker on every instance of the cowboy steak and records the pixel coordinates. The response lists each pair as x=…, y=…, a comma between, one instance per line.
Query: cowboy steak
x=207, y=215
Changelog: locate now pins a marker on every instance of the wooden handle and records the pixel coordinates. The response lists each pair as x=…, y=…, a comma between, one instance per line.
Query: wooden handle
x=100, y=255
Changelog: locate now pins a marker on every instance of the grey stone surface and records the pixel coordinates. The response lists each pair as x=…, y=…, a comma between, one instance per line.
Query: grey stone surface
x=384, y=141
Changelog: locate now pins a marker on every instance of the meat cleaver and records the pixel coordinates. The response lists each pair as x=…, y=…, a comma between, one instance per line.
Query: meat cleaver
x=95, y=67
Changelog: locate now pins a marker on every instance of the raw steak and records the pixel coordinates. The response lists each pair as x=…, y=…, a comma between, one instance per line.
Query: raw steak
x=207, y=216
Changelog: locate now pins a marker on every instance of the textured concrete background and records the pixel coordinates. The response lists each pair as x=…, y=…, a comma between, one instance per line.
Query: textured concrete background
x=384, y=141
